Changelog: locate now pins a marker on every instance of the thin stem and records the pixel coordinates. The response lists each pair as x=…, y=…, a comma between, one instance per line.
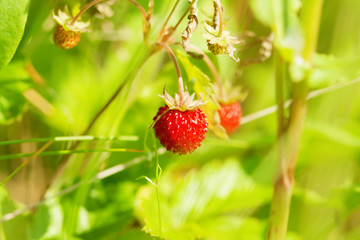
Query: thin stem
x=86, y=7
x=215, y=74
x=158, y=175
x=38, y=101
x=213, y=70
x=313, y=94
x=150, y=9
x=71, y=138
x=27, y=161
x=142, y=10
x=162, y=31
x=65, y=152
x=280, y=206
x=178, y=72
x=101, y=175
x=159, y=210
x=34, y=75
x=147, y=24
x=184, y=15
x=279, y=88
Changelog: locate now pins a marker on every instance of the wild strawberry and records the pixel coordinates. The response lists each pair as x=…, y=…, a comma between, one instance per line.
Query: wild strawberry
x=180, y=128
x=65, y=39
x=67, y=32
x=230, y=116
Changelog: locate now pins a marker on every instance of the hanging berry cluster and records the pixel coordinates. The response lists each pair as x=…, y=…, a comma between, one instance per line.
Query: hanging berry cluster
x=182, y=123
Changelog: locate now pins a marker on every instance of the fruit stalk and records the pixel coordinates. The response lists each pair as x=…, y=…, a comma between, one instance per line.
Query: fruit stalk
x=212, y=68
x=215, y=74
x=178, y=72
x=289, y=137
x=86, y=7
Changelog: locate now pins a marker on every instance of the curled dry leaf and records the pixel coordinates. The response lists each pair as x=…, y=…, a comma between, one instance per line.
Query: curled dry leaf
x=190, y=29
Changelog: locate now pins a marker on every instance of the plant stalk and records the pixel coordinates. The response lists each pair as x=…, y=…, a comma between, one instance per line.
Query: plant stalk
x=280, y=206
x=289, y=137
x=215, y=73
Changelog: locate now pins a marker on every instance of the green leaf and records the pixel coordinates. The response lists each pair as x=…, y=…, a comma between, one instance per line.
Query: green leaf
x=329, y=70
x=40, y=224
x=202, y=83
x=13, y=15
x=335, y=133
x=10, y=229
x=12, y=104
x=203, y=203
x=262, y=11
x=13, y=81
x=15, y=71
x=282, y=18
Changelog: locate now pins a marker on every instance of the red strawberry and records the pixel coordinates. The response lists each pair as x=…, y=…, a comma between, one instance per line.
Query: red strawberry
x=66, y=39
x=230, y=116
x=180, y=131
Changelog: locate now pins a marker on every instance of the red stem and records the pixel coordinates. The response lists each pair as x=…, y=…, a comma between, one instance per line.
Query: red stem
x=142, y=10
x=180, y=81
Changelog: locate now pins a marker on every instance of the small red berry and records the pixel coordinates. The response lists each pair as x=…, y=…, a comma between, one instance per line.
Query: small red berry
x=65, y=39
x=230, y=116
x=180, y=131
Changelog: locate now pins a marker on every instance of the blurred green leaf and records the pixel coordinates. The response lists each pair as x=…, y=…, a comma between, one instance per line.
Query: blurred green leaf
x=329, y=70
x=282, y=18
x=14, y=72
x=10, y=230
x=133, y=234
x=335, y=133
x=203, y=202
x=108, y=229
x=12, y=104
x=40, y=224
x=202, y=83
x=13, y=81
x=263, y=11
x=13, y=15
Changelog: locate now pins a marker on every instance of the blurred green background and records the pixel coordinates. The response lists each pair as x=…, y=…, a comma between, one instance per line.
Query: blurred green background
x=221, y=191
